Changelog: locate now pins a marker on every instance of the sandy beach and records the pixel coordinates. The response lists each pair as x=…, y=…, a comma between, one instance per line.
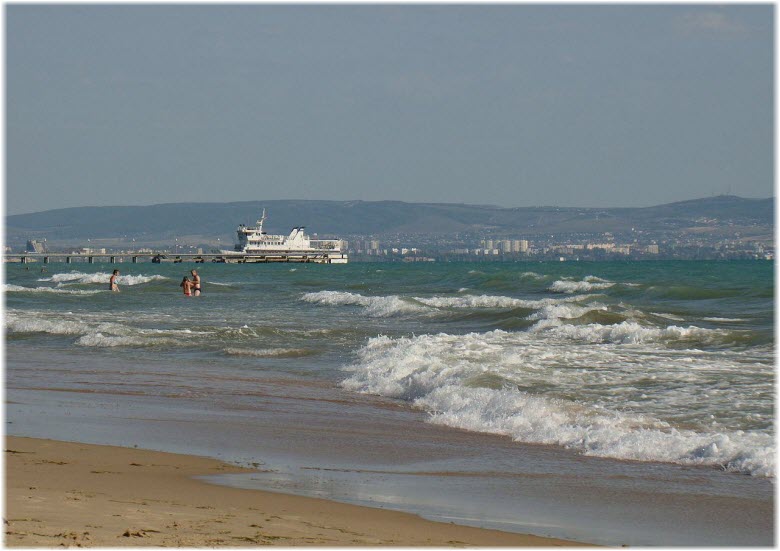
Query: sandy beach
x=62, y=493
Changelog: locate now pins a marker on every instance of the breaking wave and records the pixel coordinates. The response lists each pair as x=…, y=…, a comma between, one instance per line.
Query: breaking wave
x=99, y=340
x=10, y=288
x=630, y=332
x=90, y=333
x=32, y=324
x=383, y=306
x=588, y=283
x=72, y=278
x=539, y=391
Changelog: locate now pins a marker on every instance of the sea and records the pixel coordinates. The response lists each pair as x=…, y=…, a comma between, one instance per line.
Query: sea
x=608, y=402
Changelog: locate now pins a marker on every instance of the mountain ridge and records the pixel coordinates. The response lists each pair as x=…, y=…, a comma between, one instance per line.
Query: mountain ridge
x=327, y=217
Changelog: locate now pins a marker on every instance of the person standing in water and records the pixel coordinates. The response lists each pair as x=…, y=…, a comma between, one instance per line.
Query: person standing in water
x=186, y=286
x=195, y=282
x=112, y=282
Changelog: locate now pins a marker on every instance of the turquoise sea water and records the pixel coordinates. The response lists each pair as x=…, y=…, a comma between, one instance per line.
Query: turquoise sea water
x=654, y=362
x=669, y=361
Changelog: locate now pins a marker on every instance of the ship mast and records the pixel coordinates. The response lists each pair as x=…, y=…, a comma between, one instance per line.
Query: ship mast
x=260, y=222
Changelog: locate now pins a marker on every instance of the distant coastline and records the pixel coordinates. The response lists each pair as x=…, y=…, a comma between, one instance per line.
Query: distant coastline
x=722, y=227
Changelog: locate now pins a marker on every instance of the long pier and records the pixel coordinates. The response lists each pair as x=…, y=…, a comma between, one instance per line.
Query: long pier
x=91, y=258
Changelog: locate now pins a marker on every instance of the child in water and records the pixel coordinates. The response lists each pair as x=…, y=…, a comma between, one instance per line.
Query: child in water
x=186, y=286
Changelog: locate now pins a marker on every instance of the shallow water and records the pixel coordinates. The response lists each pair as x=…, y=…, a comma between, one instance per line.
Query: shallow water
x=664, y=367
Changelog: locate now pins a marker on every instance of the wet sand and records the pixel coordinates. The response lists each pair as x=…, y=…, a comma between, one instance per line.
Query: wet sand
x=61, y=493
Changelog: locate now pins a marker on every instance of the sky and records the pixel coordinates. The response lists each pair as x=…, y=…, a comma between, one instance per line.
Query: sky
x=510, y=105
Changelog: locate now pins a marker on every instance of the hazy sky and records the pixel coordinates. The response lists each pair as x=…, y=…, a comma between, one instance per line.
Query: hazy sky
x=515, y=105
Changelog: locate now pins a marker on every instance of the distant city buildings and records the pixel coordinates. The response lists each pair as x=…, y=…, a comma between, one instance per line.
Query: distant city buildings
x=630, y=245
x=492, y=246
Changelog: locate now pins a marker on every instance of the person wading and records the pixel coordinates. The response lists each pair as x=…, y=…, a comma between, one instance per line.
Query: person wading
x=195, y=283
x=186, y=286
x=112, y=282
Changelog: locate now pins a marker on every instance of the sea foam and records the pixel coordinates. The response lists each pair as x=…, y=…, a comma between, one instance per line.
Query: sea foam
x=395, y=304
x=73, y=278
x=10, y=288
x=588, y=283
x=380, y=306
x=99, y=340
x=91, y=332
x=629, y=332
x=564, y=393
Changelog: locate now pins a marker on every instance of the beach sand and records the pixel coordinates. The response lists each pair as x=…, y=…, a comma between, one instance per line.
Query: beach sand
x=62, y=493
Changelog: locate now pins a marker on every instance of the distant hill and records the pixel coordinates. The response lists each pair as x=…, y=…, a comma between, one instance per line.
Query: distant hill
x=209, y=221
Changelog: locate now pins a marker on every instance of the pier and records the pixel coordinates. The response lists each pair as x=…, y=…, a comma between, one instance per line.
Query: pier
x=238, y=258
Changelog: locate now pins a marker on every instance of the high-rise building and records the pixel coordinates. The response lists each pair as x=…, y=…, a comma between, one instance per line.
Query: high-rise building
x=506, y=246
x=519, y=246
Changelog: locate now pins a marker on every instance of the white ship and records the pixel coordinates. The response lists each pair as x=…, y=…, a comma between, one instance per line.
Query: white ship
x=254, y=245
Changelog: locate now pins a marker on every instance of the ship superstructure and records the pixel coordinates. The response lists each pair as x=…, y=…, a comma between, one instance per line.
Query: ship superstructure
x=255, y=245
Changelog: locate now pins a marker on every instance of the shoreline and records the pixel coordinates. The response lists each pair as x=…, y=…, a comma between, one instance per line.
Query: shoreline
x=65, y=493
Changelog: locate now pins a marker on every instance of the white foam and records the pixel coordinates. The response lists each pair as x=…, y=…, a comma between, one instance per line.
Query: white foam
x=724, y=320
x=10, y=288
x=394, y=304
x=668, y=316
x=627, y=332
x=15, y=323
x=478, y=301
x=73, y=278
x=565, y=311
x=92, y=332
x=99, y=340
x=545, y=389
x=380, y=306
x=492, y=301
x=533, y=275
x=220, y=284
x=539, y=420
x=589, y=283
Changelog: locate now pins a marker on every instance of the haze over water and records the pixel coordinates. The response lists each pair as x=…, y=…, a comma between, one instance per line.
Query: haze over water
x=661, y=363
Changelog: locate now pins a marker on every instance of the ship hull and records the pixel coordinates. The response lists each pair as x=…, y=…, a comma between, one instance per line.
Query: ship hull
x=315, y=257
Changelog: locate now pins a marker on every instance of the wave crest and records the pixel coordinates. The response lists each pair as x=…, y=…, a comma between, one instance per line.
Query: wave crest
x=395, y=304
x=381, y=306
x=79, y=278
x=521, y=385
x=588, y=283
x=10, y=288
